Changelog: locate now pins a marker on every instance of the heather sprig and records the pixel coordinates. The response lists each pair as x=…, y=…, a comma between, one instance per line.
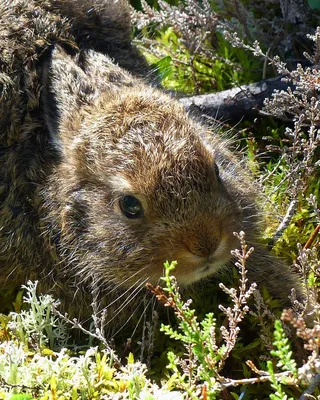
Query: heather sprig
x=200, y=369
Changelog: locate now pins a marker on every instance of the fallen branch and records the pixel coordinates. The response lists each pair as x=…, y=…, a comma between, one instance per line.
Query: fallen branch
x=234, y=104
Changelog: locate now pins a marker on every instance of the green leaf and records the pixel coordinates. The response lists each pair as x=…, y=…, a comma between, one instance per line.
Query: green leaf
x=314, y=4
x=164, y=67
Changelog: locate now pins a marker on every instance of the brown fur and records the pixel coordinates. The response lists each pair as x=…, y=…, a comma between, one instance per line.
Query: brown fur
x=77, y=133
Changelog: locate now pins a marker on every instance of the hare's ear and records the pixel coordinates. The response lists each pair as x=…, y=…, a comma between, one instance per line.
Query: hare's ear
x=65, y=88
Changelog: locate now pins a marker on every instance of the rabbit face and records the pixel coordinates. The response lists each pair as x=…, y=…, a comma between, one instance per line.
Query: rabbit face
x=141, y=185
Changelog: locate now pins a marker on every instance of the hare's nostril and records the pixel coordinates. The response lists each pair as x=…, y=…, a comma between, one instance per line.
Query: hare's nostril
x=204, y=248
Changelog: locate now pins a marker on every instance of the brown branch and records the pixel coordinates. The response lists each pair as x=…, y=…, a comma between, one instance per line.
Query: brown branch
x=312, y=237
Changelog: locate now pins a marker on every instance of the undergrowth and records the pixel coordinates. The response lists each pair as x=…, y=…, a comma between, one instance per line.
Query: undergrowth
x=29, y=367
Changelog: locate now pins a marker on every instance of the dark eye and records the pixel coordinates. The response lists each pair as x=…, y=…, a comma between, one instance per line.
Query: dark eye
x=131, y=207
x=216, y=170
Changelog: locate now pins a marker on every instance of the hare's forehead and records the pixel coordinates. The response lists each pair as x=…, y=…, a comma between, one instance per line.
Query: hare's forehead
x=152, y=174
x=170, y=163
x=169, y=150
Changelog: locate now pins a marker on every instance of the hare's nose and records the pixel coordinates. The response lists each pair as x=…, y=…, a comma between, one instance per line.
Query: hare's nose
x=204, y=246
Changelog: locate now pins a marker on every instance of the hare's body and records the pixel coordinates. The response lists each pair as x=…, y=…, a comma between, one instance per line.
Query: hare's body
x=102, y=177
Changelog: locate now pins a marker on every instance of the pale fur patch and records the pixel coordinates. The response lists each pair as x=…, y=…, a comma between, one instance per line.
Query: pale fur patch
x=120, y=184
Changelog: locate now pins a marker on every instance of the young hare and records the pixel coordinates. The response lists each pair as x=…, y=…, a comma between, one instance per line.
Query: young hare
x=103, y=177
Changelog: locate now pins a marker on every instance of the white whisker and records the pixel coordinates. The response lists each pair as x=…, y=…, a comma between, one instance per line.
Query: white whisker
x=138, y=323
x=137, y=290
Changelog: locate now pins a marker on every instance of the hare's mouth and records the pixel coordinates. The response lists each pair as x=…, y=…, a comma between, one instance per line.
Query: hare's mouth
x=209, y=268
x=200, y=271
x=206, y=268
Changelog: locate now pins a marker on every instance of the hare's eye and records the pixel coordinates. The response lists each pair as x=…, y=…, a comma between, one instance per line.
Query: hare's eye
x=131, y=207
x=216, y=170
